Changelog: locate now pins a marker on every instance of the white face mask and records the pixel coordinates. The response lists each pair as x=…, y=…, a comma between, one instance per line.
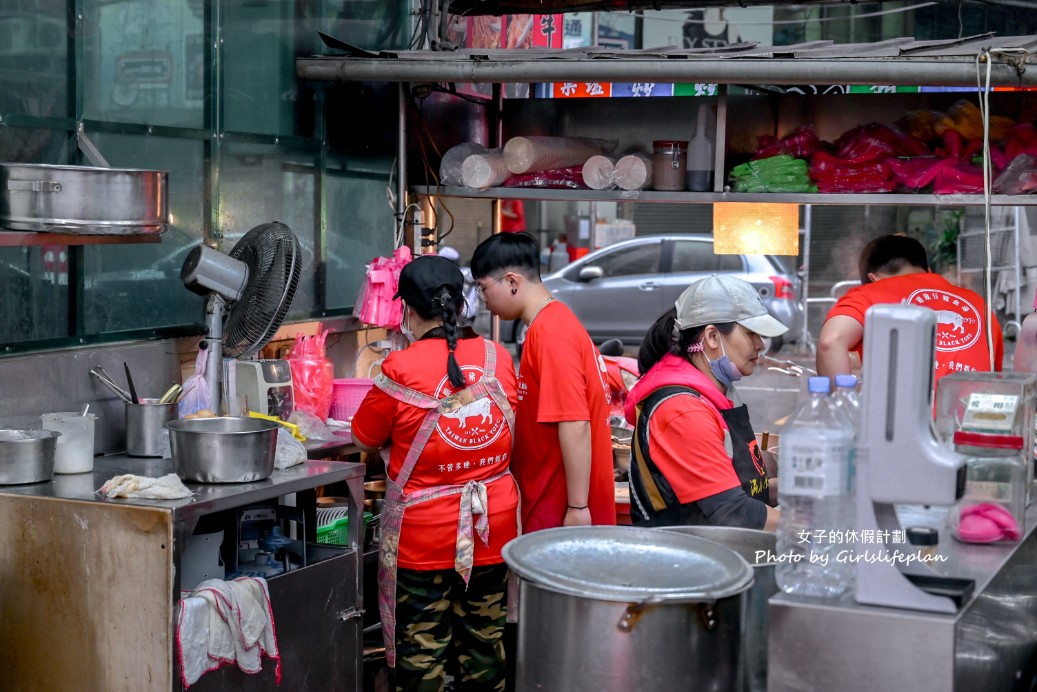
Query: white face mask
x=405, y=328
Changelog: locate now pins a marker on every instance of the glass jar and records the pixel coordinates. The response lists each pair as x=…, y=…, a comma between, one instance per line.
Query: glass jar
x=993, y=507
x=669, y=164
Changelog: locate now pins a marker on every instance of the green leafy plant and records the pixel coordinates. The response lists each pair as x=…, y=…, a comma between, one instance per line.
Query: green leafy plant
x=943, y=253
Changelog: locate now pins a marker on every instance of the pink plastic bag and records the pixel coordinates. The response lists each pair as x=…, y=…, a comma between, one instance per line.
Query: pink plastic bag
x=313, y=374
x=374, y=304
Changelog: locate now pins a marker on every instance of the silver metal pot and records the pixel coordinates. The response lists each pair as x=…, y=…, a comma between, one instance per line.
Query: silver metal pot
x=756, y=547
x=223, y=450
x=27, y=456
x=81, y=199
x=616, y=608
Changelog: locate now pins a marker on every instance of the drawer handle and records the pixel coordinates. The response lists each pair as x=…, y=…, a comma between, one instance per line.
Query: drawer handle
x=351, y=614
x=34, y=185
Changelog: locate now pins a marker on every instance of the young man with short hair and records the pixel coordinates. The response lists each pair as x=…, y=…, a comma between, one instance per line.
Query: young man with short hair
x=894, y=269
x=562, y=456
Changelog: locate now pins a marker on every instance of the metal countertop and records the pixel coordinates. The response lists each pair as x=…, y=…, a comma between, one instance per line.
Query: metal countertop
x=206, y=498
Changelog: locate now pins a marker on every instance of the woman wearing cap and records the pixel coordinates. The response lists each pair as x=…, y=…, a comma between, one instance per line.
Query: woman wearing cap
x=696, y=460
x=444, y=407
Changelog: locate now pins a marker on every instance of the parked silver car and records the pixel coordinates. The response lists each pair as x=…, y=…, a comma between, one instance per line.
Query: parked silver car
x=620, y=290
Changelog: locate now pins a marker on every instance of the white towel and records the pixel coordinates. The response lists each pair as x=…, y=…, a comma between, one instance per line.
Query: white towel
x=168, y=487
x=226, y=622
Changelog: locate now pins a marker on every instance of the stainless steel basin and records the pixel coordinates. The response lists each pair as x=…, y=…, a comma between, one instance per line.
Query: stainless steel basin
x=223, y=450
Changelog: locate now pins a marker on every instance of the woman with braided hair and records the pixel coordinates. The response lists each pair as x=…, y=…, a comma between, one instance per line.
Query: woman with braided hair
x=444, y=407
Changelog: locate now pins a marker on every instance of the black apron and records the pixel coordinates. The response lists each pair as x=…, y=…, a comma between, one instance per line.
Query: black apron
x=652, y=499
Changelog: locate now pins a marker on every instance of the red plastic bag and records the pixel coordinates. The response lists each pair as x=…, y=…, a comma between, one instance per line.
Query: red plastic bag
x=566, y=178
x=918, y=172
x=801, y=143
x=833, y=174
x=877, y=141
x=313, y=374
x=958, y=178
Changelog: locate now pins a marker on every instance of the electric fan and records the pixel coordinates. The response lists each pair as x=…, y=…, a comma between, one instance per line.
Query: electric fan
x=250, y=291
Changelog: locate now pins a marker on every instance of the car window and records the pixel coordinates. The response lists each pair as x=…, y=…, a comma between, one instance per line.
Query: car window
x=782, y=264
x=730, y=263
x=691, y=256
x=639, y=259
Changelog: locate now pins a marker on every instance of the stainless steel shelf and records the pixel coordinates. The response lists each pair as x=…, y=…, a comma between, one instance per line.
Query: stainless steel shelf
x=649, y=196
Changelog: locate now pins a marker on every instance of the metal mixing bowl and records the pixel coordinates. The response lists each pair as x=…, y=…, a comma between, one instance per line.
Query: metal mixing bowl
x=26, y=456
x=223, y=450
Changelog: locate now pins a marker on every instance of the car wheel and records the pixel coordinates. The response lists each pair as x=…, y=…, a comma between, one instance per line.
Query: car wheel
x=519, y=336
x=772, y=345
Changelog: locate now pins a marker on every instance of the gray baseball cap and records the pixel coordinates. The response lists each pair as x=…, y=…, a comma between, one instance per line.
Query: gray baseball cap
x=719, y=299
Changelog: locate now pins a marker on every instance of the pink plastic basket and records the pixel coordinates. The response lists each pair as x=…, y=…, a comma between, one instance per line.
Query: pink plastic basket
x=346, y=395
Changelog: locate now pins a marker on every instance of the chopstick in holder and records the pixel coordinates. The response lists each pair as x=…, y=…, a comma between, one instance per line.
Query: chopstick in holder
x=129, y=383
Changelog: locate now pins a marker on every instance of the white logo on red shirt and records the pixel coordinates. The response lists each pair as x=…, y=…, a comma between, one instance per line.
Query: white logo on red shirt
x=957, y=320
x=473, y=426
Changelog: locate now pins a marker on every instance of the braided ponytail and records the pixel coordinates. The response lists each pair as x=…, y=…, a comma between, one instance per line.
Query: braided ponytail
x=450, y=306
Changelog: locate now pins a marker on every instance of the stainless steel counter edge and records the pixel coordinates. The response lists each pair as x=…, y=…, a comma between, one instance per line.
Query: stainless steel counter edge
x=205, y=498
x=980, y=562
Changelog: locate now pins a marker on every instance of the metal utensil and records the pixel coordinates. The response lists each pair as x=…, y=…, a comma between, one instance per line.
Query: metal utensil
x=102, y=377
x=786, y=367
x=129, y=383
x=171, y=394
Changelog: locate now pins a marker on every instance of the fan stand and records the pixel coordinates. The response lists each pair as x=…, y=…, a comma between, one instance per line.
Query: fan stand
x=214, y=309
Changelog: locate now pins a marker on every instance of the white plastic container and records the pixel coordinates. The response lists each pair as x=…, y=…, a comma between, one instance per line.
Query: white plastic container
x=701, y=152
x=75, y=447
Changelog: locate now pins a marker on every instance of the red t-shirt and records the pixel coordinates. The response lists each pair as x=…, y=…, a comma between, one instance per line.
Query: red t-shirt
x=459, y=451
x=961, y=341
x=513, y=225
x=561, y=378
x=687, y=444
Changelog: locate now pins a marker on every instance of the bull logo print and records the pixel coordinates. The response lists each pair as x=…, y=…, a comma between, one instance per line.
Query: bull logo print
x=473, y=424
x=958, y=321
x=480, y=408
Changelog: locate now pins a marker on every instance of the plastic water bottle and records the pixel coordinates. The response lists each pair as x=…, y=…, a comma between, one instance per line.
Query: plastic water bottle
x=846, y=400
x=815, y=488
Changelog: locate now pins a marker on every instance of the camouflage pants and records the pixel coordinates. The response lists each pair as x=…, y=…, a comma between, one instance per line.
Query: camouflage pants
x=441, y=627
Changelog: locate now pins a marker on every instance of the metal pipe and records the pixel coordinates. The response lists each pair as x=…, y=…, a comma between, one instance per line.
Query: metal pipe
x=935, y=71
x=805, y=288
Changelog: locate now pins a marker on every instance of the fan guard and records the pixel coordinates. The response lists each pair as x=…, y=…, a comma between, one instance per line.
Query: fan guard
x=271, y=253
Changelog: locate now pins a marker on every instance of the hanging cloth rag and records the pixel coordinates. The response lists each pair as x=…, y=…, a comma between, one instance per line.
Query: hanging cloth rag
x=223, y=622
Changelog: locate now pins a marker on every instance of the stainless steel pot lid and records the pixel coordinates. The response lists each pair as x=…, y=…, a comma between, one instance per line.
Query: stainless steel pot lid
x=621, y=563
